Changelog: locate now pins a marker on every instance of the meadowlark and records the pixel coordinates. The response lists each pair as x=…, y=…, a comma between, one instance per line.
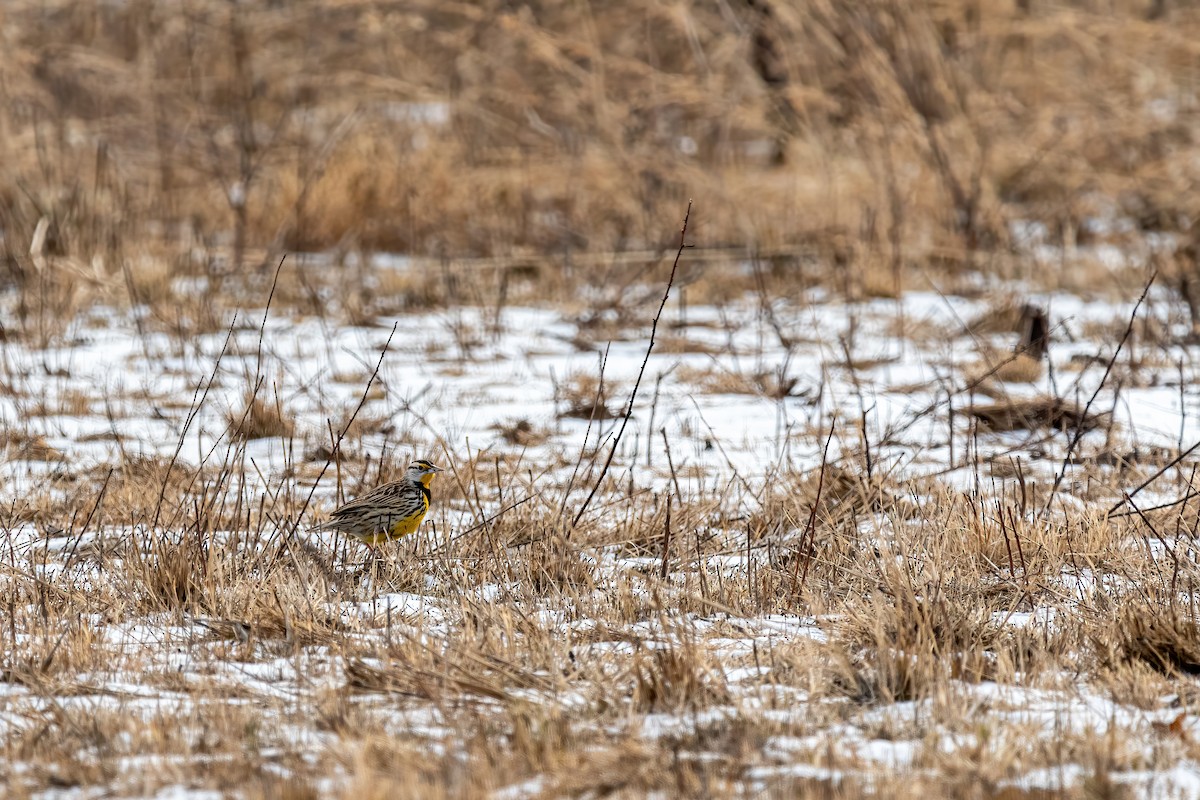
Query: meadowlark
x=387, y=512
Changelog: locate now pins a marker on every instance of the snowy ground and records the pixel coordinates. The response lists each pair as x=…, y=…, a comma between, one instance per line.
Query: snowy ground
x=489, y=662
x=453, y=380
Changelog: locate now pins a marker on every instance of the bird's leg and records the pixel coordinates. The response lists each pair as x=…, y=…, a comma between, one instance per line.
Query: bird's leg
x=375, y=554
x=372, y=554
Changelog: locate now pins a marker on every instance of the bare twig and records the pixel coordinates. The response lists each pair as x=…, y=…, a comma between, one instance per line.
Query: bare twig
x=633, y=395
x=87, y=522
x=666, y=547
x=1079, y=430
x=198, y=399
x=494, y=517
x=806, y=541
x=1129, y=495
x=341, y=435
x=262, y=328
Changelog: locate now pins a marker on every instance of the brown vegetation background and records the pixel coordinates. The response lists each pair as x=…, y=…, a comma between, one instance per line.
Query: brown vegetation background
x=900, y=132
x=166, y=623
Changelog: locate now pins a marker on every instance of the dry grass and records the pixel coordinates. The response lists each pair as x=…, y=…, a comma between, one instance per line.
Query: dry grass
x=142, y=145
x=261, y=419
x=586, y=396
x=912, y=605
x=167, y=621
x=1019, y=369
x=1034, y=414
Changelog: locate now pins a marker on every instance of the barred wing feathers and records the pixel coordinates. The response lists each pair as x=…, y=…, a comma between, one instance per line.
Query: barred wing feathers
x=378, y=511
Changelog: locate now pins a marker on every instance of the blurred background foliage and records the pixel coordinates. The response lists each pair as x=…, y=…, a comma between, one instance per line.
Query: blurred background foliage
x=933, y=132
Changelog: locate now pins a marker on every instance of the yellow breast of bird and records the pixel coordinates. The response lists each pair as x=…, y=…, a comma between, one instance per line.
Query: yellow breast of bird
x=409, y=524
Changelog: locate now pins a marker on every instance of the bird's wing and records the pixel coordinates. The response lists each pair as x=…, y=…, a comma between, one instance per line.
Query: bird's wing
x=365, y=501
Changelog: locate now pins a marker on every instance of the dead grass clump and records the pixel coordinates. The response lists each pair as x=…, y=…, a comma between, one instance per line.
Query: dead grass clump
x=45, y=663
x=174, y=575
x=676, y=678
x=772, y=384
x=715, y=382
x=542, y=736
x=365, y=424
x=551, y=564
x=841, y=492
x=1020, y=368
x=260, y=419
x=522, y=433
x=384, y=767
x=263, y=620
x=625, y=768
x=71, y=402
x=416, y=682
x=48, y=299
x=150, y=282
x=1160, y=637
x=244, y=588
x=20, y=446
x=1036, y=414
x=906, y=646
x=318, y=454
x=132, y=489
x=842, y=488
x=1003, y=317
x=1133, y=463
x=874, y=277
x=448, y=674
x=682, y=344
x=584, y=396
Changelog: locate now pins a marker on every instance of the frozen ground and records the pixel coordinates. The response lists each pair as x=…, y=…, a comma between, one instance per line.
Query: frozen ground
x=453, y=380
x=734, y=402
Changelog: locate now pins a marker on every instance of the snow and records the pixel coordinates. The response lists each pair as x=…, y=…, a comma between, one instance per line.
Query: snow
x=447, y=384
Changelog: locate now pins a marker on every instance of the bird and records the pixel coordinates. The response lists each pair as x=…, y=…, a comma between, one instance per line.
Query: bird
x=388, y=512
